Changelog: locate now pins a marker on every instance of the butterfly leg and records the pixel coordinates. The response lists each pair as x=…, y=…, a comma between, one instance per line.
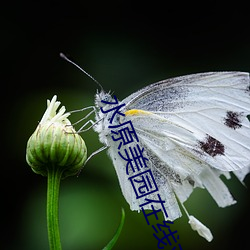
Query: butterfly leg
x=92, y=154
x=86, y=116
x=81, y=129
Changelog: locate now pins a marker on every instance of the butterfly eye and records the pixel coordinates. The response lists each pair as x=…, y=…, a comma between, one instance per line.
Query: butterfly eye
x=106, y=98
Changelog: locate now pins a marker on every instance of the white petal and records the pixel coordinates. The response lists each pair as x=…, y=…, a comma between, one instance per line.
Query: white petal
x=51, y=114
x=202, y=230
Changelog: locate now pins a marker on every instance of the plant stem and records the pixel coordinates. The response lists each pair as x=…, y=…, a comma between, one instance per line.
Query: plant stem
x=54, y=177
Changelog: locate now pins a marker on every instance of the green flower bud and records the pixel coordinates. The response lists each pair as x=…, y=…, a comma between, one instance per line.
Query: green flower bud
x=55, y=144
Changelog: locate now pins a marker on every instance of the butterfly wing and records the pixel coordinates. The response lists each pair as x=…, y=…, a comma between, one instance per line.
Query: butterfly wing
x=213, y=107
x=193, y=128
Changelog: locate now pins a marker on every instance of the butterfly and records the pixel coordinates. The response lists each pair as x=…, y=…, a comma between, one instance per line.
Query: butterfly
x=192, y=129
x=189, y=130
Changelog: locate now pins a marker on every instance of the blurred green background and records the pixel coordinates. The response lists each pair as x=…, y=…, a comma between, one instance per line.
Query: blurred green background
x=125, y=47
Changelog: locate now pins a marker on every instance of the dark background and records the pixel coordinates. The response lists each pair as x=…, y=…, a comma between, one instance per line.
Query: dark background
x=125, y=45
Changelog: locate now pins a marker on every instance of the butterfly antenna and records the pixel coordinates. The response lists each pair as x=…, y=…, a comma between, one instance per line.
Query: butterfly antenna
x=86, y=73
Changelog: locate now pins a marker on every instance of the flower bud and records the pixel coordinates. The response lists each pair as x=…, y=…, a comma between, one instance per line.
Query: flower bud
x=55, y=144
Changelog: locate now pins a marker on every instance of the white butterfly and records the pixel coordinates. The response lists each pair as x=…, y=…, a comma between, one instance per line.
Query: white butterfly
x=193, y=129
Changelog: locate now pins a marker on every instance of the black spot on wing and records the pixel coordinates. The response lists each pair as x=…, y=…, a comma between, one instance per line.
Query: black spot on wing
x=233, y=119
x=212, y=146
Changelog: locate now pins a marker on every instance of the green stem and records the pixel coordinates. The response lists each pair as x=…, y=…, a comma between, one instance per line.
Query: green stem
x=54, y=177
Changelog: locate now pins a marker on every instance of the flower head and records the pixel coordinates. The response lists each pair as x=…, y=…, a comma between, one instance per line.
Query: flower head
x=55, y=143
